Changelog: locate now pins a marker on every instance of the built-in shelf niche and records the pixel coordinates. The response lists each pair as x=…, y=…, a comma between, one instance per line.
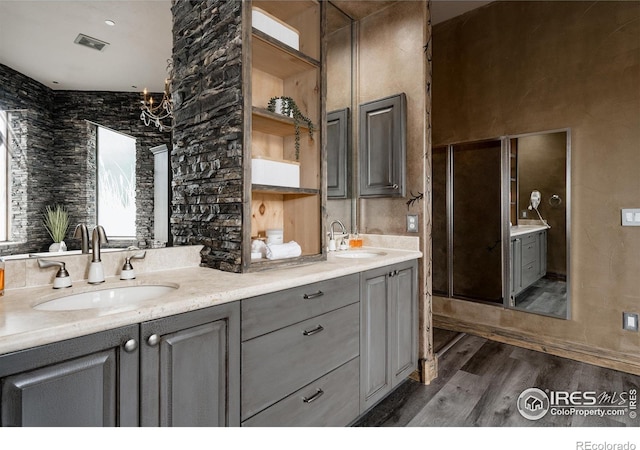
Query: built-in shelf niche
x=279, y=70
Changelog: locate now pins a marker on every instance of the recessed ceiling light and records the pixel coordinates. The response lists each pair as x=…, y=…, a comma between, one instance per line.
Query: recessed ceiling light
x=109, y=22
x=134, y=87
x=55, y=82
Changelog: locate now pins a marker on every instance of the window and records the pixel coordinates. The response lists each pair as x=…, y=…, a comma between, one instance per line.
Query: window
x=5, y=192
x=116, y=186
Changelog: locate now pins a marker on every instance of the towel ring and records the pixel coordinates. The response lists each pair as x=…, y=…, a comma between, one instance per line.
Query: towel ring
x=555, y=200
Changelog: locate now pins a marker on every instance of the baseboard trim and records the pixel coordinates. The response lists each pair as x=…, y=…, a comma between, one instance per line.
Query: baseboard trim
x=578, y=352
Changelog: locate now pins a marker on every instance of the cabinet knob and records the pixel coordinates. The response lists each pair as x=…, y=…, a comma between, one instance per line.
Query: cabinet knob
x=130, y=346
x=314, y=295
x=392, y=186
x=153, y=340
x=314, y=397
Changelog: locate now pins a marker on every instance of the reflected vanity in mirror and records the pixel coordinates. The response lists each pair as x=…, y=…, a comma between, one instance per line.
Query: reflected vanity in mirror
x=501, y=222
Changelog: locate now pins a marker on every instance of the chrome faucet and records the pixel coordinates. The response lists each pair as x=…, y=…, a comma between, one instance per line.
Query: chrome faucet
x=82, y=232
x=344, y=229
x=96, y=272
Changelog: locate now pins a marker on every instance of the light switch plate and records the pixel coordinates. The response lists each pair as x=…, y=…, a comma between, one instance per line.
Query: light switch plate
x=412, y=223
x=631, y=217
x=630, y=321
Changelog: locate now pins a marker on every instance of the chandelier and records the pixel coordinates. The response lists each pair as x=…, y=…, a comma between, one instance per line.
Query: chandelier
x=159, y=114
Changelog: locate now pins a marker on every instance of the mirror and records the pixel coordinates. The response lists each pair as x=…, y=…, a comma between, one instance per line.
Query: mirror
x=340, y=148
x=56, y=93
x=501, y=221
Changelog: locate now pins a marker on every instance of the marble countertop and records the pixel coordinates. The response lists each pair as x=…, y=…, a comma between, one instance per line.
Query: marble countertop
x=23, y=327
x=519, y=230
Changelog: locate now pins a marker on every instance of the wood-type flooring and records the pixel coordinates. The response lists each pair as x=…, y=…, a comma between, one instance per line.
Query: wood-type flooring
x=479, y=382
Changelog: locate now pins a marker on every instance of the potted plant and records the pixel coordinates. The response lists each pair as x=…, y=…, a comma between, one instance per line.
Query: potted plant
x=56, y=221
x=288, y=107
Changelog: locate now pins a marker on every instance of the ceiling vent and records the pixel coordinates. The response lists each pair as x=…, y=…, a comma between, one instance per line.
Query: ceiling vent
x=91, y=42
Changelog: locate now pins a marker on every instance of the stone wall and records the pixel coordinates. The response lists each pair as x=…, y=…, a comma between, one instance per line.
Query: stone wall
x=207, y=140
x=30, y=146
x=54, y=161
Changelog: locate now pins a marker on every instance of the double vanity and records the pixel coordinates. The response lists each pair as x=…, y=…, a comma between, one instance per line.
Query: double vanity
x=312, y=345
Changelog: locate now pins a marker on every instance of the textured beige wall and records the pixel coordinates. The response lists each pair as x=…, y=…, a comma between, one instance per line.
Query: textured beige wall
x=391, y=59
x=519, y=67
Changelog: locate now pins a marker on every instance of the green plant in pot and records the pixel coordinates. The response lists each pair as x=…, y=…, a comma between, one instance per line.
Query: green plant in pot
x=56, y=221
x=288, y=107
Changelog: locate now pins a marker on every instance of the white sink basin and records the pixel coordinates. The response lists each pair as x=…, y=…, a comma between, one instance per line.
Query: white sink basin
x=358, y=254
x=105, y=298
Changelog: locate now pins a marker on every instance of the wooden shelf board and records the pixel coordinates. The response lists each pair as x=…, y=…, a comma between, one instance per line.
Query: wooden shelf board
x=283, y=190
x=263, y=264
x=274, y=57
x=272, y=123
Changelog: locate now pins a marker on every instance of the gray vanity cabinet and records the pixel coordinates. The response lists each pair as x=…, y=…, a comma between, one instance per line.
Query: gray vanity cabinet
x=382, y=147
x=388, y=330
x=528, y=260
x=190, y=365
x=300, y=355
x=87, y=381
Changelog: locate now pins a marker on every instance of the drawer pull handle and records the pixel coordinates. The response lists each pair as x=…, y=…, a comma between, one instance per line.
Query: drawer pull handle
x=314, y=397
x=314, y=295
x=316, y=330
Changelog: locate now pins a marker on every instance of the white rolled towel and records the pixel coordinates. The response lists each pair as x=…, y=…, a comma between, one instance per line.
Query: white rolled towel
x=281, y=251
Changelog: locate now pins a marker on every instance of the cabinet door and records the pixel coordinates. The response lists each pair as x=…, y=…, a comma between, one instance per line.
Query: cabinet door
x=542, y=245
x=404, y=321
x=375, y=377
x=338, y=157
x=88, y=381
x=191, y=368
x=382, y=147
x=388, y=330
x=516, y=265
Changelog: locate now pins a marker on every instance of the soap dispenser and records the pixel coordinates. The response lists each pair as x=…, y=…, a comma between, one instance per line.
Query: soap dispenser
x=127, y=270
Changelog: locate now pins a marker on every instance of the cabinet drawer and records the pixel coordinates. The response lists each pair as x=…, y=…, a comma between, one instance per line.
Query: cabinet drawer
x=270, y=312
x=528, y=238
x=530, y=273
x=281, y=362
x=530, y=252
x=330, y=401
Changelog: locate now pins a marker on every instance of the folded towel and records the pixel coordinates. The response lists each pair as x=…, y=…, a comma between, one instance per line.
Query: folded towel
x=281, y=251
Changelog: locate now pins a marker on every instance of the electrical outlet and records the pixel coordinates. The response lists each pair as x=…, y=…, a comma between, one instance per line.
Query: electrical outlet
x=412, y=223
x=630, y=321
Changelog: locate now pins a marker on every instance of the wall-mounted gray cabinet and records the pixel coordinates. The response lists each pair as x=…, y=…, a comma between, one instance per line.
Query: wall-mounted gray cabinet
x=338, y=154
x=382, y=147
x=88, y=381
x=388, y=330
